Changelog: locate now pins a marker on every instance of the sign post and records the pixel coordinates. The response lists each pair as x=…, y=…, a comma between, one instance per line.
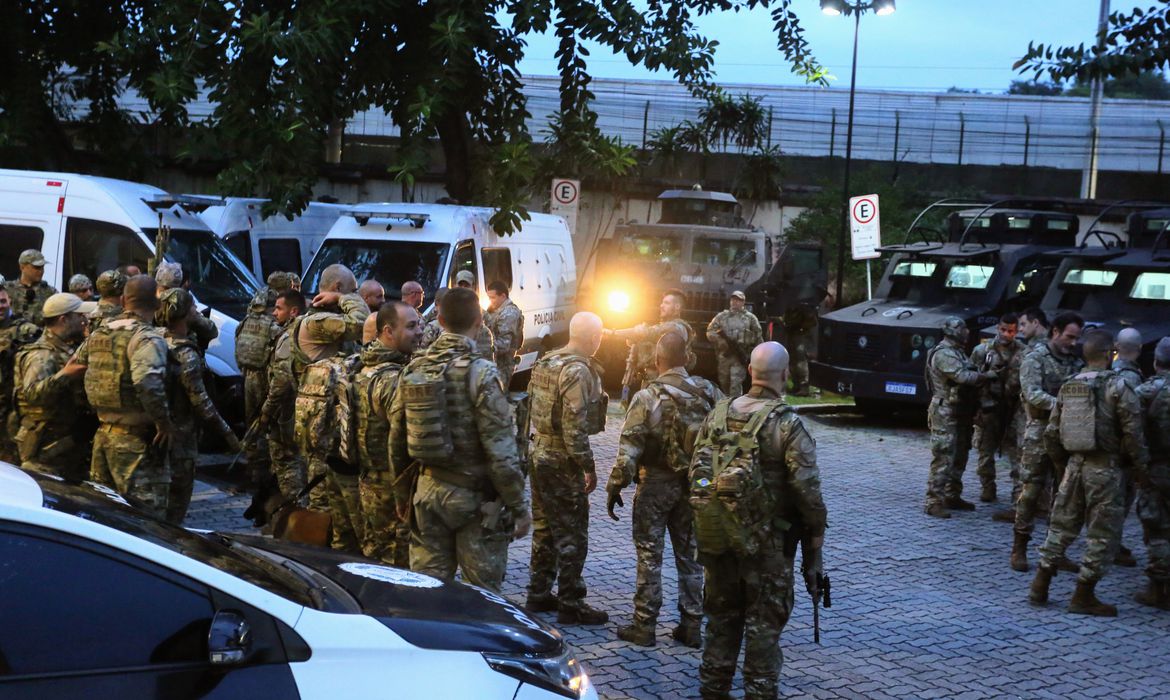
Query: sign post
x=865, y=233
x=566, y=194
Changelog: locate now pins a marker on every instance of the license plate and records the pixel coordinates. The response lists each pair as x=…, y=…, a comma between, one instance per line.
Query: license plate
x=901, y=388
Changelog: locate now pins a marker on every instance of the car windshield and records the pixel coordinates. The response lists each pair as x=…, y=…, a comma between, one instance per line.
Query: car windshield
x=218, y=278
x=911, y=268
x=654, y=249
x=1090, y=277
x=390, y=262
x=1151, y=286
x=723, y=251
x=969, y=276
x=105, y=507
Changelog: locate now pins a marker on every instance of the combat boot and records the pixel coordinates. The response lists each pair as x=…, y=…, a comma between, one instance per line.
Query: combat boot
x=1125, y=557
x=642, y=635
x=957, y=503
x=1038, y=594
x=687, y=632
x=1020, y=553
x=937, y=510
x=1156, y=595
x=988, y=494
x=540, y=602
x=1084, y=601
x=581, y=613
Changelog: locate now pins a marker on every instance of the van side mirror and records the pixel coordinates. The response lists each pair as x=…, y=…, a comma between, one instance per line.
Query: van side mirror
x=229, y=641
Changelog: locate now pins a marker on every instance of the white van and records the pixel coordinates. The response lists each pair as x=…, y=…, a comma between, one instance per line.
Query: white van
x=85, y=224
x=269, y=244
x=430, y=243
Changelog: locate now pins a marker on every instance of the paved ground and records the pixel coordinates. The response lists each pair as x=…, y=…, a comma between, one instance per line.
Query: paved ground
x=923, y=608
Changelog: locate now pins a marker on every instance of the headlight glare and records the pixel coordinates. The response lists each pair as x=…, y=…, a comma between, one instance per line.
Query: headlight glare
x=619, y=301
x=560, y=673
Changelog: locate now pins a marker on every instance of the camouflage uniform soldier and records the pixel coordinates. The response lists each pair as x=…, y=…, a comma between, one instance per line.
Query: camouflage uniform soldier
x=1095, y=420
x=110, y=285
x=951, y=378
x=748, y=561
x=1129, y=349
x=81, y=287
x=644, y=336
x=385, y=537
x=450, y=415
x=169, y=275
x=648, y=448
x=332, y=328
x=15, y=332
x=190, y=402
x=1042, y=373
x=254, y=339
x=800, y=331
x=126, y=384
x=568, y=405
x=739, y=326
x=277, y=412
x=505, y=321
x=1153, y=506
x=29, y=293
x=484, y=341
x=50, y=397
x=998, y=400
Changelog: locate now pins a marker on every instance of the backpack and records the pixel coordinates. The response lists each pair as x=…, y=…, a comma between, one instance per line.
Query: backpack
x=678, y=443
x=1082, y=427
x=326, y=409
x=732, y=507
x=254, y=340
x=424, y=396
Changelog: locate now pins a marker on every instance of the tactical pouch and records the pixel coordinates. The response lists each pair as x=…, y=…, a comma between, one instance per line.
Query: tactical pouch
x=1078, y=416
x=428, y=433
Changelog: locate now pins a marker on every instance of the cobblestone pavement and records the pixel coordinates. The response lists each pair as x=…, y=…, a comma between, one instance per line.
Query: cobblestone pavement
x=922, y=608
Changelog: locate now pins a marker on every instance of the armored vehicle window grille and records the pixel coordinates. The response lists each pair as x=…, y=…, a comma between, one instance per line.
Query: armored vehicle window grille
x=910, y=268
x=651, y=249
x=862, y=351
x=721, y=251
x=1090, y=277
x=970, y=276
x=705, y=303
x=1152, y=286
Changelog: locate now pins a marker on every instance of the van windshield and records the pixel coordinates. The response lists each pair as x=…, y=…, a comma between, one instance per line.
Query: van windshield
x=390, y=262
x=218, y=278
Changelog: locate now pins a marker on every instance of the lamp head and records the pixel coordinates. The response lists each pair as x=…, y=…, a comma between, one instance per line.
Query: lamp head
x=884, y=7
x=832, y=7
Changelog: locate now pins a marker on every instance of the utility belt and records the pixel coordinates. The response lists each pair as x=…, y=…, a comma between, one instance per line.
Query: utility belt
x=480, y=484
x=137, y=429
x=659, y=473
x=126, y=422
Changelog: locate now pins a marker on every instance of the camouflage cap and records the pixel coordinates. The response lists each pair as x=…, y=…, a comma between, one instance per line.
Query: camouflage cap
x=1162, y=351
x=173, y=304
x=169, y=275
x=738, y=295
x=953, y=327
x=79, y=283
x=33, y=257
x=111, y=283
x=465, y=276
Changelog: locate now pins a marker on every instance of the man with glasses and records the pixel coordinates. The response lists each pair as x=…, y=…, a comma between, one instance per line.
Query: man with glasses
x=29, y=293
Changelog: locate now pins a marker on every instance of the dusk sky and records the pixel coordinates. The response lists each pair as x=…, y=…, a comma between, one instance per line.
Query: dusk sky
x=926, y=45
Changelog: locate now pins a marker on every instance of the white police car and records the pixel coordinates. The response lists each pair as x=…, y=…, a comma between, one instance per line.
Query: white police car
x=101, y=601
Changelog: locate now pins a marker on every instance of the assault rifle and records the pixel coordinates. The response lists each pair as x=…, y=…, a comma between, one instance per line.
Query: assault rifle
x=823, y=591
x=735, y=348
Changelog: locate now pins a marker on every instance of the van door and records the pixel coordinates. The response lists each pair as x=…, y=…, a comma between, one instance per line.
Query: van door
x=30, y=217
x=92, y=247
x=465, y=259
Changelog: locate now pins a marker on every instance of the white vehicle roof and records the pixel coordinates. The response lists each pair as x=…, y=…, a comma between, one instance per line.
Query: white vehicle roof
x=18, y=489
x=443, y=223
x=244, y=214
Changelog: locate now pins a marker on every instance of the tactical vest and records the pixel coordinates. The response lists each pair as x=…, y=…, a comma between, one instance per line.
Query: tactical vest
x=254, y=340
x=373, y=430
x=547, y=405
x=1084, y=427
x=440, y=425
x=38, y=412
x=679, y=437
x=108, y=384
x=734, y=511
x=324, y=410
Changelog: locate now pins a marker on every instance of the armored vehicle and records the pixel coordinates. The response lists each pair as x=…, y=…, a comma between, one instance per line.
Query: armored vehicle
x=985, y=260
x=703, y=247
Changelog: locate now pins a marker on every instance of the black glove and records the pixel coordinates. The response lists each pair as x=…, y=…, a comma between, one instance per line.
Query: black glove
x=614, y=499
x=811, y=568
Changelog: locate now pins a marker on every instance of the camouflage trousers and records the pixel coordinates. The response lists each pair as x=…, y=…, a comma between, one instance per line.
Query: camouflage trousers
x=732, y=374
x=345, y=510
x=507, y=367
x=748, y=603
x=287, y=463
x=950, y=446
x=1092, y=496
x=256, y=450
x=384, y=536
x=125, y=460
x=63, y=456
x=182, y=487
x=454, y=528
x=998, y=431
x=799, y=343
x=661, y=506
x=560, y=524
x=1153, y=509
x=319, y=496
x=1037, y=471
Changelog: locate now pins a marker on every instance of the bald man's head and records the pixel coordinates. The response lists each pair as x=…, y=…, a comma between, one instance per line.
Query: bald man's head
x=337, y=278
x=372, y=292
x=670, y=352
x=1129, y=344
x=141, y=294
x=769, y=366
x=585, y=332
x=412, y=293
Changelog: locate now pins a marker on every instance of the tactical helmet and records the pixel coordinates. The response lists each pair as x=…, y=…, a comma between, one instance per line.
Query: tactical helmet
x=173, y=304
x=953, y=327
x=79, y=283
x=280, y=281
x=111, y=283
x=169, y=275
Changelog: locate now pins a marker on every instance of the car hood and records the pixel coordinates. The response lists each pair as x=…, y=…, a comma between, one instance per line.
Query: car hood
x=423, y=610
x=903, y=315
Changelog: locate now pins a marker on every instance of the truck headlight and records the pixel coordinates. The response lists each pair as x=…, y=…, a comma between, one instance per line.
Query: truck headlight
x=619, y=301
x=560, y=673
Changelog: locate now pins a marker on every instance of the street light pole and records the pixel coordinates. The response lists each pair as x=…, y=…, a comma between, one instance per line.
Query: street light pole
x=841, y=235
